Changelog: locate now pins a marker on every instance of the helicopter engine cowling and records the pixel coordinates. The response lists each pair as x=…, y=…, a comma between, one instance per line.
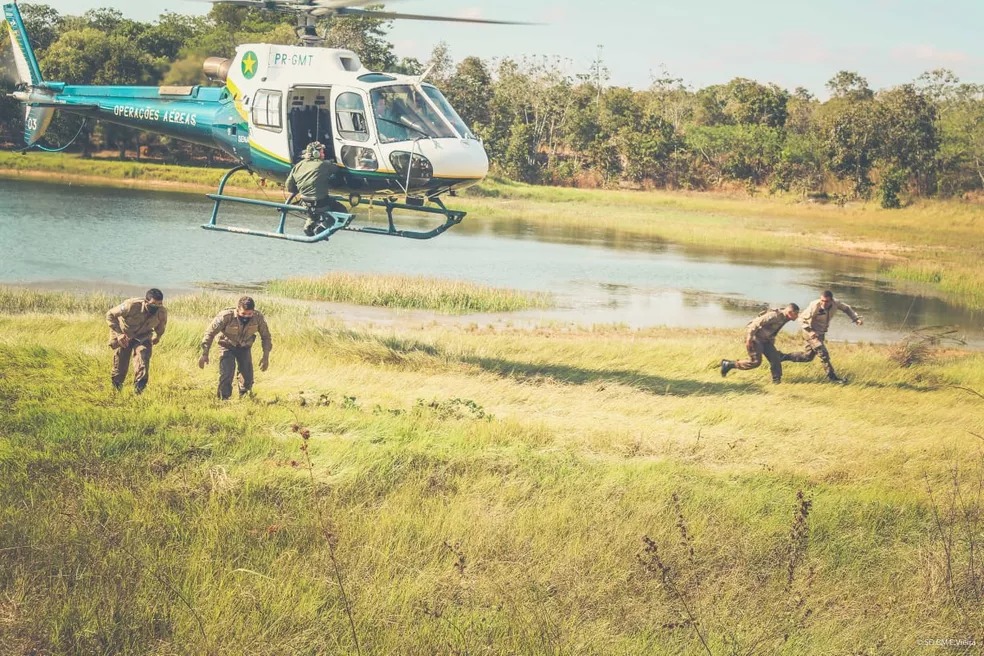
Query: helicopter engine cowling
x=217, y=68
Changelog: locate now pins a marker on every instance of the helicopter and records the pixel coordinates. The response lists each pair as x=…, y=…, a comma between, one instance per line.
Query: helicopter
x=396, y=140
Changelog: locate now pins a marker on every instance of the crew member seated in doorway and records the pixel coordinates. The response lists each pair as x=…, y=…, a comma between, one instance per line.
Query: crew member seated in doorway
x=311, y=179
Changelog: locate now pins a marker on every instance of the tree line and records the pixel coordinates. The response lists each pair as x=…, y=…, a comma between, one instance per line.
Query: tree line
x=543, y=124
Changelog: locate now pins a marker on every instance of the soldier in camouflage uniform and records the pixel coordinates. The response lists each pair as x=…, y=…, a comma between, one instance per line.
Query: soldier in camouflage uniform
x=311, y=179
x=815, y=322
x=237, y=328
x=135, y=326
x=760, y=339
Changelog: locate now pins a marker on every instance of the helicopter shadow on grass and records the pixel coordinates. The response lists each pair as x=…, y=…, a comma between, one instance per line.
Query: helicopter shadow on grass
x=644, y=382
x=398, y=349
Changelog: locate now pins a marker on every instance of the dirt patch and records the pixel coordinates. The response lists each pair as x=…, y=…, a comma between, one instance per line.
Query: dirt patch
x=876, y=250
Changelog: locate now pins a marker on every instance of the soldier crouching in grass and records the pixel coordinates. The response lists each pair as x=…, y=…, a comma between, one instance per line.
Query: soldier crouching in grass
x=237, y=328
x=760, y=339
x=135, y=325
x=815, y=322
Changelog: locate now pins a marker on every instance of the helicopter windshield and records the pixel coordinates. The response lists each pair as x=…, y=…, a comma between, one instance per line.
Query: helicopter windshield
x=403, y=114
x=448, y=111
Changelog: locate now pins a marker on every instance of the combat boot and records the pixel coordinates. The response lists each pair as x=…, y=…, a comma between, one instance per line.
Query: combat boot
x=726, y=366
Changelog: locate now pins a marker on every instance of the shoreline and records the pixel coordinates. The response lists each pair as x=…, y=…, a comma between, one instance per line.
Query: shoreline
x=400, y=319
x=931, y=245
x=136, y=184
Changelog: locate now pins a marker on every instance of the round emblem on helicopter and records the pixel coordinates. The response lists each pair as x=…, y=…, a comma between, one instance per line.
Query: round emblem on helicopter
x=250, y=64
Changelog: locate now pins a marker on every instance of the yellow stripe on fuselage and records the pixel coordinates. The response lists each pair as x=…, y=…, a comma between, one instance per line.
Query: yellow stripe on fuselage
x=279, y=158
x=237, y=99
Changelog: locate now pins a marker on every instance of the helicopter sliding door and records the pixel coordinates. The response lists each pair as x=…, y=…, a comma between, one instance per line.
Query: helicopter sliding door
x=309, y=119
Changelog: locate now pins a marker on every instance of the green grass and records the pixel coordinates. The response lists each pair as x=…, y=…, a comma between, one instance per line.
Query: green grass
x=413, y=292
x=15, y=300
x=482, y=491
x=114, y=173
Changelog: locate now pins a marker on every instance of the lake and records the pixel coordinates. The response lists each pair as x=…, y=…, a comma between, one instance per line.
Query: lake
x=85, y=237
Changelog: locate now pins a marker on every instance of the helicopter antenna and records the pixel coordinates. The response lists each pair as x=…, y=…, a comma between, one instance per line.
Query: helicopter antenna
x=423, y=75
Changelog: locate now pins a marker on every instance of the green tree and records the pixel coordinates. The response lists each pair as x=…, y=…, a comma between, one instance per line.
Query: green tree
x=746, y=153
x=440, y=64
x=168, y=36
x=42, y=23
x=519, y=161
x=469, y=90
x=747, y=102
x=801, y=162
x=366, y=37
x=89, y=56
x=961, y=152
x=849, y=131
x=908, y=141
x=848, y=84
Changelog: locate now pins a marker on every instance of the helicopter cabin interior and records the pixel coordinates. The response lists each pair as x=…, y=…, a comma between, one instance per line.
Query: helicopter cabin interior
x=309, y=119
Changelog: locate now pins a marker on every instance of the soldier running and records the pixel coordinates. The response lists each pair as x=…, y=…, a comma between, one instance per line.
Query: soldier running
x=135, y=326
x=237, y=328
x=760, y=340
x=815, y=322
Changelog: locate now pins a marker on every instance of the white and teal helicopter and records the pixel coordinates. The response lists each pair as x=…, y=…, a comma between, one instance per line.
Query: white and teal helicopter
x=398, y=143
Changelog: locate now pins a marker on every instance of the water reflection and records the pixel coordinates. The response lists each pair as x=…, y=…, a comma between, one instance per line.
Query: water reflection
x=564, y=234
x=116, y=238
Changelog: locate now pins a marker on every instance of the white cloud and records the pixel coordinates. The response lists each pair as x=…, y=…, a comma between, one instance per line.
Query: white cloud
x=470, y=12
x=929, y=54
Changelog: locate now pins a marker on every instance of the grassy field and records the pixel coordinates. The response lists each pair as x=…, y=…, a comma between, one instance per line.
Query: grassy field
x=936, y=245
x=444, y=490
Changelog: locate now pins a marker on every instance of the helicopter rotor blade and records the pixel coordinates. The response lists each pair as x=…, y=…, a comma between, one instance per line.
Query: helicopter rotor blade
x=350, y=8
x=244, y=3
x=300, y=6
x=348, y=11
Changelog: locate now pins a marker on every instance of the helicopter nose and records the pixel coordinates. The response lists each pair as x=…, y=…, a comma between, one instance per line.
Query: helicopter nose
x=463, y=159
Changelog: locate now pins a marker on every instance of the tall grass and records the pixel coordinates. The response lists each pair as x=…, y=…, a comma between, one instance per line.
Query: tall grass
x=486, y=491
x=415, y=292
x=16, y=300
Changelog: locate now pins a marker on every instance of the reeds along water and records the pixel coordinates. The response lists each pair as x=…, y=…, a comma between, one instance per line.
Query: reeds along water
x=415, y=292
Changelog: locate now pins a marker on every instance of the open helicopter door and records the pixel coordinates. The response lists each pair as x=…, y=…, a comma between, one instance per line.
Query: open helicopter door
x=309, y=119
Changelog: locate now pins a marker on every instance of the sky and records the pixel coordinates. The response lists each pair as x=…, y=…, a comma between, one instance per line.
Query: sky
x=793, y=43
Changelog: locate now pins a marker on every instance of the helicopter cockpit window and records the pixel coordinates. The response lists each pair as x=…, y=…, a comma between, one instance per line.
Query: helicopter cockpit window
x=403, y=114
x=267, y=112
x=448, y=111
x=350, y=112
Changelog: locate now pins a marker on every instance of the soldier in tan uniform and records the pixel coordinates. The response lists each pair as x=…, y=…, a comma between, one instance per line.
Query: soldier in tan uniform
x=237, y=328
x=135, y=326
x=815, y=322
x=760, y=339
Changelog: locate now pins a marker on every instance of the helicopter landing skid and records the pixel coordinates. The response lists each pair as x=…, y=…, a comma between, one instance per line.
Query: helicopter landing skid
x=342, y=220
x=451, y=218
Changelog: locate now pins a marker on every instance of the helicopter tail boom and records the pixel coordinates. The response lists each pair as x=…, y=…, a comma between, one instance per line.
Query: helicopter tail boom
x=26, y=63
